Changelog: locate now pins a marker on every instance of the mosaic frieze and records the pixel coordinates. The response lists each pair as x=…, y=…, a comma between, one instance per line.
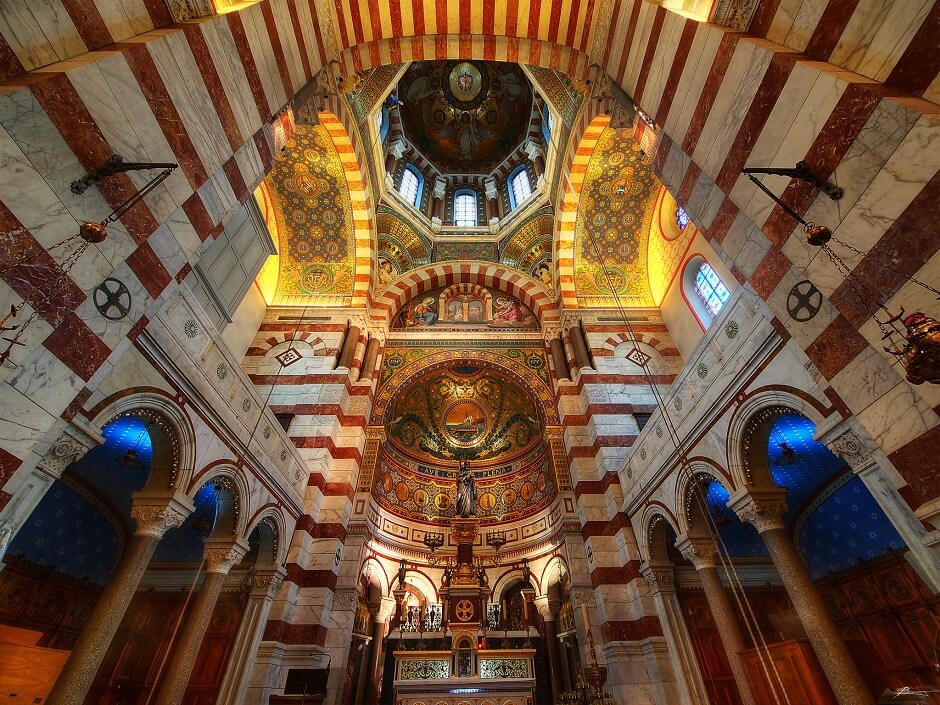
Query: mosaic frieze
x=526, y=364
x=465, y=251
x=463, y=411
x=314, y=220
x=465, y=307
x=504, y=492
x=401, y=248
x=529, y=247
x=615, y=212
x=366, y=89
x=563, y=91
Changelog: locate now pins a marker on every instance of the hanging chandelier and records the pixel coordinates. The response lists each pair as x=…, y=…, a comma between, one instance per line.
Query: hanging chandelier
x=914, y=339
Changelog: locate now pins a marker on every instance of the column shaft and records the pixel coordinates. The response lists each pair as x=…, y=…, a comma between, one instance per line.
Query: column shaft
x=551, y=646
x=186, y=648
x=89, y=651
x=727, y=622
x=372, y=687
x=565, y=664
x=834, y=657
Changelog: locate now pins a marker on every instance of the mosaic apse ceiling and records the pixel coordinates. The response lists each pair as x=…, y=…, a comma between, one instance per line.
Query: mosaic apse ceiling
x=463, y=412
x=313, y=211
x=615, y=214
x=465, y=116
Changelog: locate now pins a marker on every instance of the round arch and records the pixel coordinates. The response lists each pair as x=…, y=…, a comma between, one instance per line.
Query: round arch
x=273, y=552
x=377, y=575
x=515, y=283
x=506, y=580
x=172, y=436
x=760, y=409
x=689, y=512
x=556, y=566
x=233, y=481
x=655, y=522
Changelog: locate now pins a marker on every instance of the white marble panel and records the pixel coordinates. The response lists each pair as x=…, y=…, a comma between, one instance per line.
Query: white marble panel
x=783, y=19
x=897, y=418
x=26, y=38
x=116, y=20
x=137, y=16
x=755, y=247
x=260, y=44
x=865, y=380
x=58, y=28
x=23, y=422
x=310, y=42
x=804, y=24
x=231, y=71
x=183, y=80
x=46, y=381
x=696, y=71
x=641, y=38
x=288, y=39
x=663, y=56
x=734, y=95
x=131, y=101
x=892, y=38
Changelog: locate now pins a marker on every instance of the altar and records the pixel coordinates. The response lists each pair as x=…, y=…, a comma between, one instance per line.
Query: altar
x=465, y=675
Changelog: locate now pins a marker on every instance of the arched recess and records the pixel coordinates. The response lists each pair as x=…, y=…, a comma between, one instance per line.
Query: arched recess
x=657, y=527
x=375, y=573
x=272, y=548
x=231, y=498
x=744, y=452
x=170, y=430
x=567, y=216
x=692, y=509
x=554, y=573
x=528, y=290
x=490, y=47
x=471, y=289
x=508, y=579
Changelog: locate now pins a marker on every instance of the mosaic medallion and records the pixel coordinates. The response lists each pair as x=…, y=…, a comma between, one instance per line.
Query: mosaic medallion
x=465, y=423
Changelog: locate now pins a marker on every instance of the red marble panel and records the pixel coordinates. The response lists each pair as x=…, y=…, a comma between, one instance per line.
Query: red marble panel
x=441, y=13
x=183, y=273
x=317, y=37
x=210, y=75
x=66, y=110
x=75, y=406
x=765, y=99
x=916, y=462
x=33, y=274
x=280, y=631
x=8, y=465
x=920, y=63
x=299, y=37
x=138, y=328
x=615, y=15
x=764, y=17
x=706, y=100
x=688, y=183
x=10, y=65
x=636, y=630
x=829, y=29
x=835, y=347
x=248, y=63
x=725, y=216
x=146, y=265
x=770, y=272
x=310, y=578
x=171, y=124
x=662, y=153
x=235, y=179
x=159, y=13
x=279, y=57
x=605, y=528
x=77, y=346
x=619, y=575
x=675, y=72
x=89, y=23
x=844, y=124
x=910, y=241
x=628, y=40
x=659, y=17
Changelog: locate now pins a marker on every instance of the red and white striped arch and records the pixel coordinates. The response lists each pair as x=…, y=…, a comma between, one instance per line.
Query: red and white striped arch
x=397, y=50
x=567, y=216
x=411, y=284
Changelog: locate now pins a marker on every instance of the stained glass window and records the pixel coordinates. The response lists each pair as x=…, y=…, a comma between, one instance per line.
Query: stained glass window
x=710, y=289
x=465, y=209
x=409, y=186
x=682, y=218
x=521, y=188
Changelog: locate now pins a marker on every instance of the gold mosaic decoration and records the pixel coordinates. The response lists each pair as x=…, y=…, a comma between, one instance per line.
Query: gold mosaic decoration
x=615, y=212
x=312, y=207
x=529, y=247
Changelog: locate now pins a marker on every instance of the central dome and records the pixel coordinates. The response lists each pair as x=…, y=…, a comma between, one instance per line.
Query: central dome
x=465, y=116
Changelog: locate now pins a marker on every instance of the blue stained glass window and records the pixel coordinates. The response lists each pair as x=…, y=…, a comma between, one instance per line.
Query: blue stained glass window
x=409, y=186
x=710, y=289
x=682, y=218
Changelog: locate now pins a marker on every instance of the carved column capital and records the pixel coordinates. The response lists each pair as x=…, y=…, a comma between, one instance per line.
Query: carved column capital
x=157, y=515
x=397, y=148
x=345, y=599
x=440, y=186
x=580, y=596
x=71, y=444
x=385, y=609
x=660, y=578
x=222, y=555
x=184, y=10
x=764, y=510
x=700, y=551
x=547, y=607
x=849, y=447
x=267, y=582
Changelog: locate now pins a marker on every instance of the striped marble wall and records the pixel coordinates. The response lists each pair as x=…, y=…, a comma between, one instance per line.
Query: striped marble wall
x=724, y=100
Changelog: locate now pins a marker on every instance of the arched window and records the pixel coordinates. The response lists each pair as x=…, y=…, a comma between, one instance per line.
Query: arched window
x=410, y=186
x=704, y=290
x=465, y=208
x=682, y=218
x=520, y=188
x=382, y=123
x=548, y=123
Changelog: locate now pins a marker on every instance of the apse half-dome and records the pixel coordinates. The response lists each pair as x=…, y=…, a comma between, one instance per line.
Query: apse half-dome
x=465, y=116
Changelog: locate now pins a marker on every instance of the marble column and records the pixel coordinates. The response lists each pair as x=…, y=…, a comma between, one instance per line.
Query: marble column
x=154, y=517
x=220, y=556
x=372, y=353
x=437, y=204
x=548, y=609
x=765, y=511
x=534, y=153
x=395, y=152
x=380, y=614
x=845, y=440
x=661, y=579
x=348, y=349
x=582, y=357
x=492, y=204
x=558, y=359
x=564, y=660
x=704, y=555
x=264, y=587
